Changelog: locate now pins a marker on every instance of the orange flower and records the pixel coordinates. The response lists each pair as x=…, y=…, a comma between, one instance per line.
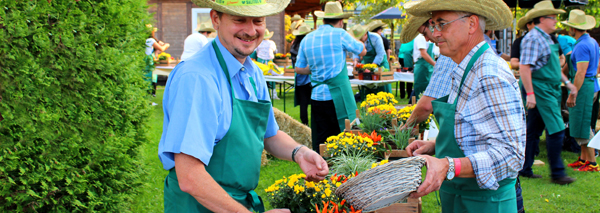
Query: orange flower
x=375, y=137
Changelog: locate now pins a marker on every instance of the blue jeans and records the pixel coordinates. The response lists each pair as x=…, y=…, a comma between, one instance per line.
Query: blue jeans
x=520, y=207
x=554, y=142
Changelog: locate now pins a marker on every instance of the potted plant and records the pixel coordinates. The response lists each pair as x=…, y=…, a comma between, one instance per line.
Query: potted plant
x=358, y=71
x=165, y=58
x=369, y=70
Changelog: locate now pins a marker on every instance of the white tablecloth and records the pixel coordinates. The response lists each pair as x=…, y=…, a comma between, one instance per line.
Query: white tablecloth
x=404, y=76
x=163, y=69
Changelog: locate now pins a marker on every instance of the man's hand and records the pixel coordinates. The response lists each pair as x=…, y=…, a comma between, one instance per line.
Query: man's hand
x=531, y=101
x=436, y=174
x=571, y=100
x=420, y=147
x=312, y=164
x=279, y=211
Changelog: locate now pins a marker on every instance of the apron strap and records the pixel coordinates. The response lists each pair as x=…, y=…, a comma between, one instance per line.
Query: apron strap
x=468, y=68
x=253, y=86
x=223, y=66
x=256, y=201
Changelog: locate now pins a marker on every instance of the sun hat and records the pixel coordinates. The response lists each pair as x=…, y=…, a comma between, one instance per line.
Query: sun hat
x=522, y=22
x=411, y=29
x=205, y=27
x=543, y=8
x=268, y=34
x=296, y=17
x=497, y=14
x=303, y=30
x=297, y=24
x=579, y=20
x=375, y=24
x=249, y=8
x=333, y=10
x=357, y=31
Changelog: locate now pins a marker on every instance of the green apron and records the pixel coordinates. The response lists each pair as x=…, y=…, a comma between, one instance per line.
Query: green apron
x=423, y=71
x=546, y=84
x=342, y=96
x=235, y=162
x=464, y=194
x=369, y=58
x=148, y=76
x=580, y=116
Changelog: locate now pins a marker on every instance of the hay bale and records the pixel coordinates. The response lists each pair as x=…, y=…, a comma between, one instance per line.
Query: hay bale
x=263, y=158
x=298, y=131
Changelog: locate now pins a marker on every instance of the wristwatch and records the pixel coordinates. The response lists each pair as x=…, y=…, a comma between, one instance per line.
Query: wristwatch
x=450, y=174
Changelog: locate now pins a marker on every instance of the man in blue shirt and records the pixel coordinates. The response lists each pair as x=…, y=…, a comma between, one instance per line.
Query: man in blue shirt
x=376, y=54
x=218, y=118
x=566, y=43
x=583, y=70
x=323, y=55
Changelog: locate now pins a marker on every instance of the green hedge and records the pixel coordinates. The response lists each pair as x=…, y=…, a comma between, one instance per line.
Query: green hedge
x=74, y=104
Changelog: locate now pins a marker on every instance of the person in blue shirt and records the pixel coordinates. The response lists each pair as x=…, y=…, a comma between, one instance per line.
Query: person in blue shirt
x=218, y=119
x=323, y=55
x=582, y=71
x=302, y=87
x=566, y=43
x=376, y=54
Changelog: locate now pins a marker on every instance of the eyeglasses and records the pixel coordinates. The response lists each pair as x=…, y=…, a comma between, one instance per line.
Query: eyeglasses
x=440, y=26
x=550, y=17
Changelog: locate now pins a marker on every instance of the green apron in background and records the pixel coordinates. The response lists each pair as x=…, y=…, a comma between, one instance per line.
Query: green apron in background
x=464, y=194
x=368, y=59
x=148, y=76
x=546, y=85
x=342, y=96
x=423, y=71
x=580, y=116
x=235, y=162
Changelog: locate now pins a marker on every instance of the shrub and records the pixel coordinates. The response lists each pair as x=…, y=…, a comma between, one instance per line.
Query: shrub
x=74, y=104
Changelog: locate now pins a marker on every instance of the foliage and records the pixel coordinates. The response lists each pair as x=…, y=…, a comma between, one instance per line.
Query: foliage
x=400, y=137
x=404, y=114
x=75, y=104
x=299, y=195
x=348, y=164
x=288, y=23
x=370, y=122
x=349, y=144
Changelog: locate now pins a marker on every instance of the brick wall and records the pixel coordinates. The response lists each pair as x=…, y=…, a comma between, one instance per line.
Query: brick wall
x=276, y=23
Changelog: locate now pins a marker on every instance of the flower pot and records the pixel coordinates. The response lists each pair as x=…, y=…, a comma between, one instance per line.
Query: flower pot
x=367, y=76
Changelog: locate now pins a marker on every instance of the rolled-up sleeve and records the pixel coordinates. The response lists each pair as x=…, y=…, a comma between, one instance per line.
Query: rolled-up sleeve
x=503, y=134
x=301, y=60
x=192, y=119
x=350, y=44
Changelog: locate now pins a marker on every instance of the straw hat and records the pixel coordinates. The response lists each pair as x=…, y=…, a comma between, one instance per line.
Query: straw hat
x=296, y=17
x=411, y=29
x=256, y=8
x=357, y=31
x=205, y=27
x=497, y=14
x=268, y=34
x=543, y=8
x=303, y=30
x=149, y=26
x=579, y=20
x=376, y=24
x=297, y=24
x=522, y=22
x=333, y=10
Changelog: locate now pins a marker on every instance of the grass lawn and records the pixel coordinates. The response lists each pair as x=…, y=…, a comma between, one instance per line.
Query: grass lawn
x=540, y=195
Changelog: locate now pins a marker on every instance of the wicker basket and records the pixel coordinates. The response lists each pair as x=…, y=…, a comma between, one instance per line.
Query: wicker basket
x=384, y=185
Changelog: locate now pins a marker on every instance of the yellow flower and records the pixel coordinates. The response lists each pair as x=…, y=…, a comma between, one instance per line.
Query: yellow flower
x=310, y=184
x=338, y=184
x=322, y=196
x=328, y=192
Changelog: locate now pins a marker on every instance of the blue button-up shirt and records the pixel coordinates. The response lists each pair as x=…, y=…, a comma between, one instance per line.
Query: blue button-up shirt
x=375, y=43
x=439, y=85
x=490, y=118
x=324, y=52
x=197, y=103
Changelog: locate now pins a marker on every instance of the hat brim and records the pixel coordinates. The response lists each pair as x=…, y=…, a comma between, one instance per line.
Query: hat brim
x=497, y=14
x=411, y=29
x=590, y=22
x=355, y=36
x=534, y=13
x=321, y=14
x=383, y=25
x=297, y=33
x=205, y=30
x=272, y=7
x=268, y=36
x=295, y=19
x=522, y=22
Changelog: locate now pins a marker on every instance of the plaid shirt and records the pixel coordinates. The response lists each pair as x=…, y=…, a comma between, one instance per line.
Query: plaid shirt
x=439, y=85
x=324, y=51
x=490, y=119
x=535, y=49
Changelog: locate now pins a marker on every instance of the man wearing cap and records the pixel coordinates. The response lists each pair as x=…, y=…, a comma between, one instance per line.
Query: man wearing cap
x=218, y=118
x=302, y=87
x=482, y=135
x=582, y=72
x=194, y=42
x=323, y=55
x=541, y=76
x=376, y=54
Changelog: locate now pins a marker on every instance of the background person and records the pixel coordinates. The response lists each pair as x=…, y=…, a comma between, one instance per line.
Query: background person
x=265, y=53
x=151, y=46
x=302, y=87
x=376, y=54
x=194, y=42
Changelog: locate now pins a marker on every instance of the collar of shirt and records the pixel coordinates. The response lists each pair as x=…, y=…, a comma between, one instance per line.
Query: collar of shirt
x=544, y=34
x=325, y=26
x=584, y=36
x=233, y=65
x=463, y=64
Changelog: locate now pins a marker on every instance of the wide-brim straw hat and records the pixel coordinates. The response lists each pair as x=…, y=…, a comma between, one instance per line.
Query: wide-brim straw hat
x=411, y=29
x=522, y=22
x=543, y=8
x=497, y=14
x=333, y=10
x=297, y=24
x=205, y=27
x=579, y=20
x=259, y=8
x=296, y=17
x=375, y=24
x=303, y=30
x=268, y=34
x=357, y=31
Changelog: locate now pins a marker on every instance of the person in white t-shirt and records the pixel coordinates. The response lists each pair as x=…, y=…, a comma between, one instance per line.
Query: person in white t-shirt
x=265, y=53
x=151, y=45
x=194, y=42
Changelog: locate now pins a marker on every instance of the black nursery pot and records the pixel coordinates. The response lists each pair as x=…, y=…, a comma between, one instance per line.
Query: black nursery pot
x=367, y=76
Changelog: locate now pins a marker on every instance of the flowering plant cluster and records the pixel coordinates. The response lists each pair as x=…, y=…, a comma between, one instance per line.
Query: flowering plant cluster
x=280, y=56
x=164, y=56
x=404, y=113
x=349, y=144
x=359, y=68
x=289, y=38
x=370, y=67
x=381, y=98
